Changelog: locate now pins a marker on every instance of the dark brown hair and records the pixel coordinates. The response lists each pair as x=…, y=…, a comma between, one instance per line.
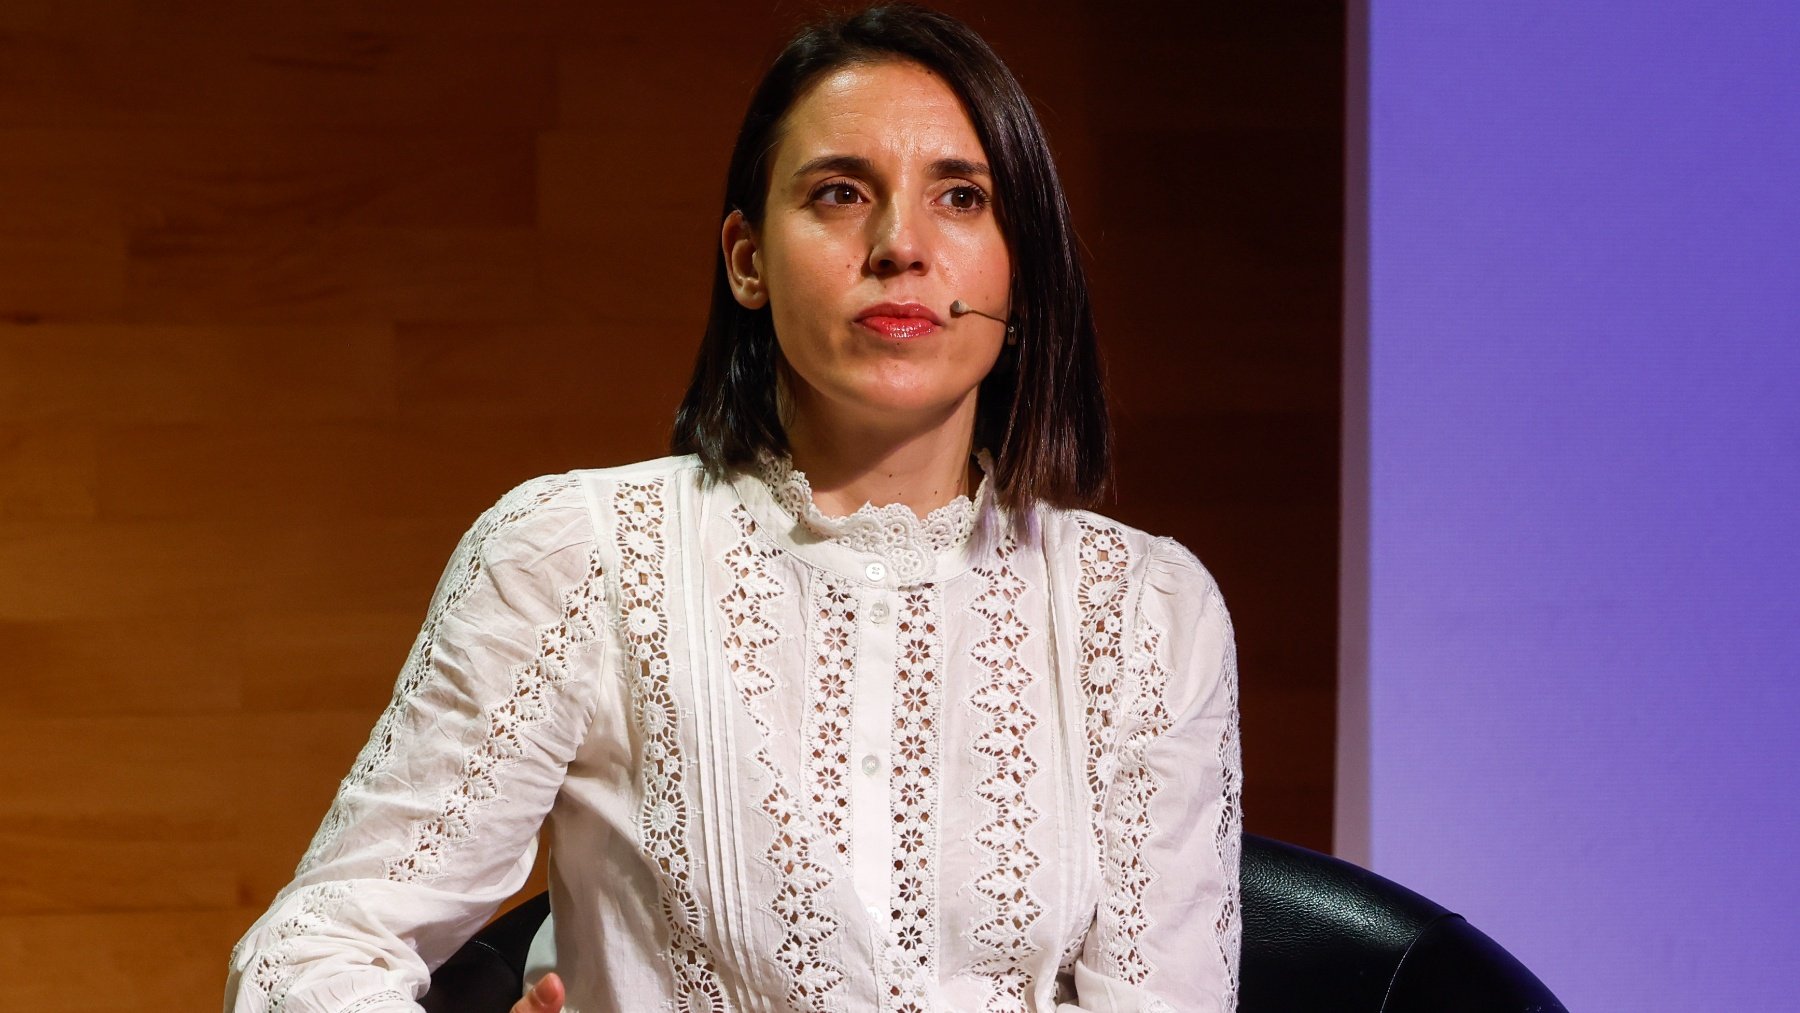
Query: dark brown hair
x=1041, y=411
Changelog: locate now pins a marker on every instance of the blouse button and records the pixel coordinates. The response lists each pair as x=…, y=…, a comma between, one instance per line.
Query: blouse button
x=870, y=764
x=875, y=571
x=878, y=612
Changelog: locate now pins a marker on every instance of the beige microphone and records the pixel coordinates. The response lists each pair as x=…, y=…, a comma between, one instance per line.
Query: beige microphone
x=958, y=308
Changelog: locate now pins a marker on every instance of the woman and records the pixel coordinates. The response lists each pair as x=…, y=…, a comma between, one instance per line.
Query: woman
x=848, y=707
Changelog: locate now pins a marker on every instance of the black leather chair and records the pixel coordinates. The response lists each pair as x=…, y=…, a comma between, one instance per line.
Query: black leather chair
x=1319, y=935
x=488, y=974
x=1323, y=934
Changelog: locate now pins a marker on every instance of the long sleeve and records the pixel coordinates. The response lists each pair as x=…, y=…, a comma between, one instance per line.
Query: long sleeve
x=1168, y=930
x=435, y=825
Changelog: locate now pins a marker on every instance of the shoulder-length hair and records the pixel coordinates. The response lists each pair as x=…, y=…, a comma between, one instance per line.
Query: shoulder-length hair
x=1041, y=411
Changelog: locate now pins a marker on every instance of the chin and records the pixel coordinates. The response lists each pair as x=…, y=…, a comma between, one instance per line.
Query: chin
x=896, y=389
x=924, y=404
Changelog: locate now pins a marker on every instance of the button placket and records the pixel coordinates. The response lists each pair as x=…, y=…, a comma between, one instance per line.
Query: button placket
x=871, y=733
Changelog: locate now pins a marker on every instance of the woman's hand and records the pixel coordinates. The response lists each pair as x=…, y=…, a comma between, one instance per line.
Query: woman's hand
x=545, y=997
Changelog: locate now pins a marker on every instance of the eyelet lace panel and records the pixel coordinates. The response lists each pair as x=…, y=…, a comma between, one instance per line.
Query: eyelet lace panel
x=533, y=683
x=911, y=958
x=801, y=874
x=1003, y=880
x=832, y=608
x=1119, y=783
x=1122, y=917
x=907, y=544
x=1105, y=559
x=1228, y=834
x=663, y=820
x=460, y=576
x=274, y=968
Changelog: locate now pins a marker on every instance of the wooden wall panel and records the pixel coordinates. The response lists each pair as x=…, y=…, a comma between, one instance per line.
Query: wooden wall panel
x=141, y=960
x=290, y=293
x=1216, y=238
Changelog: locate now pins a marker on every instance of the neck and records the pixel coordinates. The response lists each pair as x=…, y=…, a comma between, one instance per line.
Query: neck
x=849, y=464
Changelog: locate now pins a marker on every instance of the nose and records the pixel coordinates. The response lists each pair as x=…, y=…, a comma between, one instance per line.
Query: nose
x=900, y=243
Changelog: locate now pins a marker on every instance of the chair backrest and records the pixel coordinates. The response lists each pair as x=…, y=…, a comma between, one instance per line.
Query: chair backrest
x=1319, y=934
x=487, y=974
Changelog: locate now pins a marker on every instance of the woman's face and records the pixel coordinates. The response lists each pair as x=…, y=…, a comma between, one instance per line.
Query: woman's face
x=879, y=195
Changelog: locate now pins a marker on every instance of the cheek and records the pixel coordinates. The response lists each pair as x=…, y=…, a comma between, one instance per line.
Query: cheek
x=984, y=356
x=813, y=286
x=983, y=266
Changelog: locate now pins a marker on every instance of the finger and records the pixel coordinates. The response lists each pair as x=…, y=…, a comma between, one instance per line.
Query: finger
x=545, y=997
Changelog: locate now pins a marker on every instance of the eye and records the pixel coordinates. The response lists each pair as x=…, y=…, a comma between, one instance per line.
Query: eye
x=967, y=197
x=836, y=194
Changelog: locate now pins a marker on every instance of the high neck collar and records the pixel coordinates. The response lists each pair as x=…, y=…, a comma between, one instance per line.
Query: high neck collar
x=912, y=549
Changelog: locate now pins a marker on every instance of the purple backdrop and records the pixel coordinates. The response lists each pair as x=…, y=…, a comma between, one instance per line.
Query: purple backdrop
x=1573, y=537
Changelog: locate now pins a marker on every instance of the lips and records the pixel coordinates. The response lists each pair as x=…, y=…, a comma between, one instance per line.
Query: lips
x=899, y=320
x=899, y=327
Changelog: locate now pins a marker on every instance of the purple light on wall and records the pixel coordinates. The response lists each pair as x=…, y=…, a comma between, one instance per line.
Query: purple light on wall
x=1582, y=540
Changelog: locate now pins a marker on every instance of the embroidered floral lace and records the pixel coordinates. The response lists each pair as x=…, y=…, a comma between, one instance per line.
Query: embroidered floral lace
x=789, y=761
x=906, y=544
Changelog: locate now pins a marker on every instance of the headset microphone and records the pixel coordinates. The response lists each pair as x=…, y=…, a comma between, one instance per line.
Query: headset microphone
x=958, y=308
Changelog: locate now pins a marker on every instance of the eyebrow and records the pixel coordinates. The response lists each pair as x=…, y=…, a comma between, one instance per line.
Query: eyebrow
x=857, y=165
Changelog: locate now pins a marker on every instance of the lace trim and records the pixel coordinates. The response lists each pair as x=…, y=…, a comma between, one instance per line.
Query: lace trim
x=911, y=958
x=559, y=644
x=1105, y=559
x=1122, y=916
x=1003, y=882
x=274, y=969
x=460, y=576
x=832, y=608
x=369, y=1002
x=1229, y=834
x=907, y=544
x=663, y=819
x=809, y=927
x=1006, y=990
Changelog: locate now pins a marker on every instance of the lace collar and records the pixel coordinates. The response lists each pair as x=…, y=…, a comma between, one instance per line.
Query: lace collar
x=908, y=545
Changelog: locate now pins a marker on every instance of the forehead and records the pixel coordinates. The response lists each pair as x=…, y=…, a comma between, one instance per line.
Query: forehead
x=892, y=107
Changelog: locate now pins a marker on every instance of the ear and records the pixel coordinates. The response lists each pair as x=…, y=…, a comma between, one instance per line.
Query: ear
x=743, y=268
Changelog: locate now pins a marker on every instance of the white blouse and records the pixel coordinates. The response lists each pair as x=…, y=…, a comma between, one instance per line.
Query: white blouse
x=791, y=762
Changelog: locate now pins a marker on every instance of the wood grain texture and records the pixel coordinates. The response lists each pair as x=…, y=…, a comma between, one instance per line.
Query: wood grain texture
x=290, y=293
